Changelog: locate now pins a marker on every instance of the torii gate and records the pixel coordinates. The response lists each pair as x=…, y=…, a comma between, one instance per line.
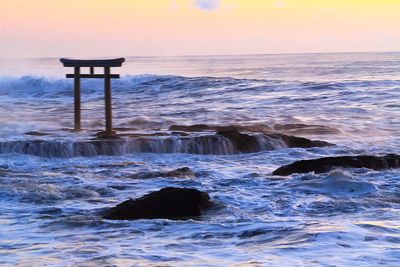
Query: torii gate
x=92, y=63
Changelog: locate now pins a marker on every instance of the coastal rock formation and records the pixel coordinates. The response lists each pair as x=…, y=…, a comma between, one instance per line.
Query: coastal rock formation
x=326, y=164
x=224, y=142
x=290, y=129
x=294, y=141
x=246, y=143
x=167, y=203
x=183, y=172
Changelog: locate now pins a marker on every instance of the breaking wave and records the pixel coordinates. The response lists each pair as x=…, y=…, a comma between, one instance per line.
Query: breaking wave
x=38, y=86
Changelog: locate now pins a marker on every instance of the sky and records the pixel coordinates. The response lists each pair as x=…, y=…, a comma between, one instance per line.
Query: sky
x=94, y=28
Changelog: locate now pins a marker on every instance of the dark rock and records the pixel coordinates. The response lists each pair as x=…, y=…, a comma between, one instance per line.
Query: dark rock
x=294, y=141
x=183, y=172
x=326, y=164
x=216, y=144
x=246, y=143
x=296, y=128
x=168, y=203
x=103, y=135
x=242, y=142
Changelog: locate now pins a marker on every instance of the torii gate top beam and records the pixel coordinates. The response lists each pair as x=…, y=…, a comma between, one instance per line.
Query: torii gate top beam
x=116, y=62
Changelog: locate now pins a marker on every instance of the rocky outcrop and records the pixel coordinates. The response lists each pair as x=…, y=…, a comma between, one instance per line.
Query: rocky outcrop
x=326, y=164
x=290, y=129
x=246, y=143
x=294, y=141
x=168, y=203
x=183, y=172
x=226, y=142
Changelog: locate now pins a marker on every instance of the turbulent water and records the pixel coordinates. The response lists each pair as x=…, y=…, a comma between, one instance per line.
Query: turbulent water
x=55, y=184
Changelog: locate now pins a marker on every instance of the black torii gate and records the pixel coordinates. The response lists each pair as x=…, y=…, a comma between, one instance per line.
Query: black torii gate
x=92, y=63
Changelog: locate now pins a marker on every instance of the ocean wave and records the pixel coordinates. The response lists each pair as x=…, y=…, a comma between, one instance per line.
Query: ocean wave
x=40, y=86
x=36, y=86
x=36, y=192
x=338, y=182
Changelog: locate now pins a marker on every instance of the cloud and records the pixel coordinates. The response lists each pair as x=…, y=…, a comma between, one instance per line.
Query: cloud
x=208, y=5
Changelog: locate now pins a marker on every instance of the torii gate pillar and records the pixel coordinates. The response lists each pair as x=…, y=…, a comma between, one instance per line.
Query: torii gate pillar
x=107, y=64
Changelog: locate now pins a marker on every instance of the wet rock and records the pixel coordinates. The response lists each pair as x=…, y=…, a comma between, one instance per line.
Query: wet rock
x=305, y=129
x=183, y=172
x=326, y=164
x=167, y=203
x=242, y=142
x=295, y=141
x=102, y=135
x=246, y=143
x=225, y=142
x=291, y=129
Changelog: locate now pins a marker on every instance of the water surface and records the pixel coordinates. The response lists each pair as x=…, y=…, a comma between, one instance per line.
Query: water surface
x=51, y=205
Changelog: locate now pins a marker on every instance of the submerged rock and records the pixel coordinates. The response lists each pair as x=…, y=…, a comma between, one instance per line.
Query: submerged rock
x=326, y=164
x=183, y=172
x=167, y=203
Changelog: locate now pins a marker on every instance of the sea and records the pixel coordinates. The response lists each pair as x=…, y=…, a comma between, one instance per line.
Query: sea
x=55, y=186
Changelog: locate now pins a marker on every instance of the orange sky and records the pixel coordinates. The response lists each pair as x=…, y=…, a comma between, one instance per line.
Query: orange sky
x=41, y=28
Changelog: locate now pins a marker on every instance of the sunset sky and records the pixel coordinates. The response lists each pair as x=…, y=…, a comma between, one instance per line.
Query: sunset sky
x=47, y=28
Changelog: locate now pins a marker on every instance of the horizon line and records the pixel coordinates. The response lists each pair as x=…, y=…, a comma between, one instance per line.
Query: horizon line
x=212, y=55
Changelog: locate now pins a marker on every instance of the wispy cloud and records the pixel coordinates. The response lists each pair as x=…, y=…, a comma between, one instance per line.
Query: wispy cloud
x=208, y=5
